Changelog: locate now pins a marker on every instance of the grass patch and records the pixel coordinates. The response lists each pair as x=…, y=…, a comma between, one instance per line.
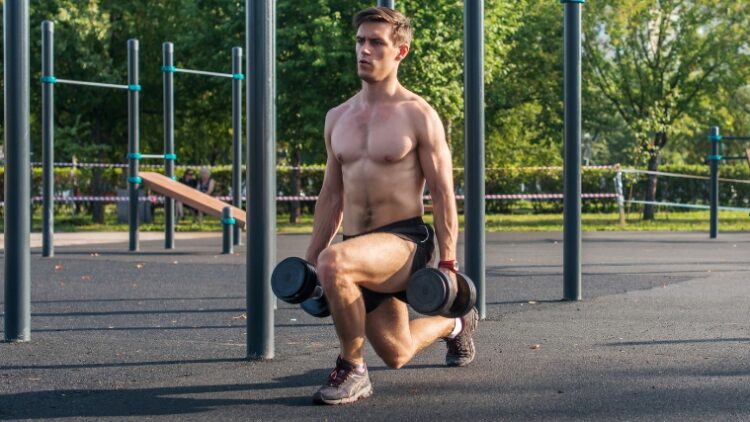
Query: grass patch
x=697, y=220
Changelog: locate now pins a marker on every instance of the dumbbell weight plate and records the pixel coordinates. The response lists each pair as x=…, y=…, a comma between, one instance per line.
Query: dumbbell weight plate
x=316, y=306
x=429, y=292
x=466, y=297
x=293, y=280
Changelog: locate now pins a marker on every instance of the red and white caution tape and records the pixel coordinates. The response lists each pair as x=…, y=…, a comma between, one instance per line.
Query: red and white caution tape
x=283, y=198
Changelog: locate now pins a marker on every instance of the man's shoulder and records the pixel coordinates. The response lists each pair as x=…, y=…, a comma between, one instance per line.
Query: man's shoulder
x=333, y=114
x=417, y=107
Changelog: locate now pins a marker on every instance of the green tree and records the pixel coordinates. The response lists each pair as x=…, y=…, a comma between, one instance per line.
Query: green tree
x=660, y=64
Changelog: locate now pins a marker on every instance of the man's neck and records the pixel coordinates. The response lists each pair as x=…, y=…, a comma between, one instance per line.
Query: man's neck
x=380, y=91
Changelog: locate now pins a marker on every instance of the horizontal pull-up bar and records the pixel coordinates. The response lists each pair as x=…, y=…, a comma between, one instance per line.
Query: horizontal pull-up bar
x=54, y=80
x=173, y=69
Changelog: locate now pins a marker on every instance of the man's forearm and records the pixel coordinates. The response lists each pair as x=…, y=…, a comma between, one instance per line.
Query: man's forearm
x=446, y=224
x=326, y=222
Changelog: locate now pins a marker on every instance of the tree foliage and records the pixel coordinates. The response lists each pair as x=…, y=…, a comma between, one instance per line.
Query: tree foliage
x=661, y=63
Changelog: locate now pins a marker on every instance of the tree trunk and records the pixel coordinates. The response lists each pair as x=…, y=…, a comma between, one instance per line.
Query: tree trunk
x=294, y=206
x=649, y=211
x=97, y=208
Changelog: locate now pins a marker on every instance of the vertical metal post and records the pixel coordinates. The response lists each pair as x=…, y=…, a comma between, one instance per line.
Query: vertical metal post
x=261, y=175
x=237, y=136
x=387, y=3
x=167, y=49
x=619, y=191
x=474, y=140
x=17, y=170
x=572, y=163
x=227, y=224
x=48, y=139
x=714, y=159
x=133, y=141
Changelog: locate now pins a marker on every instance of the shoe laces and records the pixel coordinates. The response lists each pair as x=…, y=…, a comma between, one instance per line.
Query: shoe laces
x=339, y=374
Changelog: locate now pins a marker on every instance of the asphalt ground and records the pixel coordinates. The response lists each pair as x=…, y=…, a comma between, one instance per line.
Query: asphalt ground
x=662, y=334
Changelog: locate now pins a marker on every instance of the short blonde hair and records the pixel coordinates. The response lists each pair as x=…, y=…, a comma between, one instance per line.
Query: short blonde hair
x=402, y=31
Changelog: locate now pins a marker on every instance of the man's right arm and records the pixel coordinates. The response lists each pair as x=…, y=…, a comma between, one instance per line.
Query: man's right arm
x=329, y=209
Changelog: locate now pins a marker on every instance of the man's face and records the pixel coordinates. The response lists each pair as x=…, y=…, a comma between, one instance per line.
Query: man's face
x=377, y=56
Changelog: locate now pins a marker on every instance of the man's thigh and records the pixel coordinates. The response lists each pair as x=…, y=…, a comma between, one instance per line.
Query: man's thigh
x=380, y=262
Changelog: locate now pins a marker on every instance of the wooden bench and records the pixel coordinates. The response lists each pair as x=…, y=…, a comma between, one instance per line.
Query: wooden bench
x=190, y=196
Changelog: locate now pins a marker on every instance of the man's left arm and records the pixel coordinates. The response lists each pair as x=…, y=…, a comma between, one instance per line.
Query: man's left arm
x=435, y=160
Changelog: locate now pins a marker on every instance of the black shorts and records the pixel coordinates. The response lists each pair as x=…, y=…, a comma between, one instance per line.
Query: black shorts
x=414, y=230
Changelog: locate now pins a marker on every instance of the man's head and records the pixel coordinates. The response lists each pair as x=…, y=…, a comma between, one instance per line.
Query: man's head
x=383, y=40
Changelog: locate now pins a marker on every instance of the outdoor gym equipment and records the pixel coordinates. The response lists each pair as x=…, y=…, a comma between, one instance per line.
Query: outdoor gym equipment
x=49, y=80
x=714, y=159
x=168, y=68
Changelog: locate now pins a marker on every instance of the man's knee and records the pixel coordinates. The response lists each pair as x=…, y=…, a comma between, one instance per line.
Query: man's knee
x=395, y=360
x=331, y=269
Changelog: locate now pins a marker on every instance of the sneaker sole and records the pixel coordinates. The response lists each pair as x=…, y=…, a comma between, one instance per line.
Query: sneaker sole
x=362, y=395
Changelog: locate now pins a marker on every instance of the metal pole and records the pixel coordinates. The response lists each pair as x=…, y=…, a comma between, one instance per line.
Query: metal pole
x=227, y=223
x=620, y=194
x=387, y=3
x=714, y=159
x=474, y=140
x=572, y=163
x=133, y=141
x=48, y=140
x=168, y=82
x=17, y=170
x=261, y=175
x=237, y=137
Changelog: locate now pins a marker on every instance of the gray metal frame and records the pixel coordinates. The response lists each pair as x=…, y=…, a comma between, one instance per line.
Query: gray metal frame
x=572, y=159
x=474, y=202
x=133, y=146
x=167, y=51
x=48, y=141
x=17, y=182
x=48, y=127
x=237, y=139
x=714, y=160
x=168, y=69
x=261, y=175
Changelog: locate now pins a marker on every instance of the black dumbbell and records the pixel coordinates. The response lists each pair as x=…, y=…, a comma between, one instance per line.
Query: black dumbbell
x=431, y=292
x=294, y=280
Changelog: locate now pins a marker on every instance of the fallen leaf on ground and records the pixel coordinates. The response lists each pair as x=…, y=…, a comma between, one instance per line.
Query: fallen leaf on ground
x=59, y=267
x=86, y=277
x=535, y=346
x=243, y=316
x=139, y=266
x=533, y=302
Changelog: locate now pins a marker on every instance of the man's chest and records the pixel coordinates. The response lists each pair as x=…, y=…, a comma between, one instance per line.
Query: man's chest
x=358, y=136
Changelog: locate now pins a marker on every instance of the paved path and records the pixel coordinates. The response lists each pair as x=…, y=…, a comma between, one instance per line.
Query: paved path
x=88, y=238
x=662, y=334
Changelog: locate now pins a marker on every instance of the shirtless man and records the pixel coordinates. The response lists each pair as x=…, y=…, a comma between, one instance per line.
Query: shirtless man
x=383, y=144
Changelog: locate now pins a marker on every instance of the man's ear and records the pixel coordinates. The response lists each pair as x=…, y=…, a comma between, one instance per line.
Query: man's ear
x=403, y=51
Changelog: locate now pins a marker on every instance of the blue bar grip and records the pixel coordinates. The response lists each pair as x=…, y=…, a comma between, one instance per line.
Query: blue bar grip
x=714, y=158
x=134, y=156
x=135, y=88
x=172, y=157
x=168, y=69
x=238, y=76
x=49, y=80
x=715, y=138
x=229, y=221
x=135, y=180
